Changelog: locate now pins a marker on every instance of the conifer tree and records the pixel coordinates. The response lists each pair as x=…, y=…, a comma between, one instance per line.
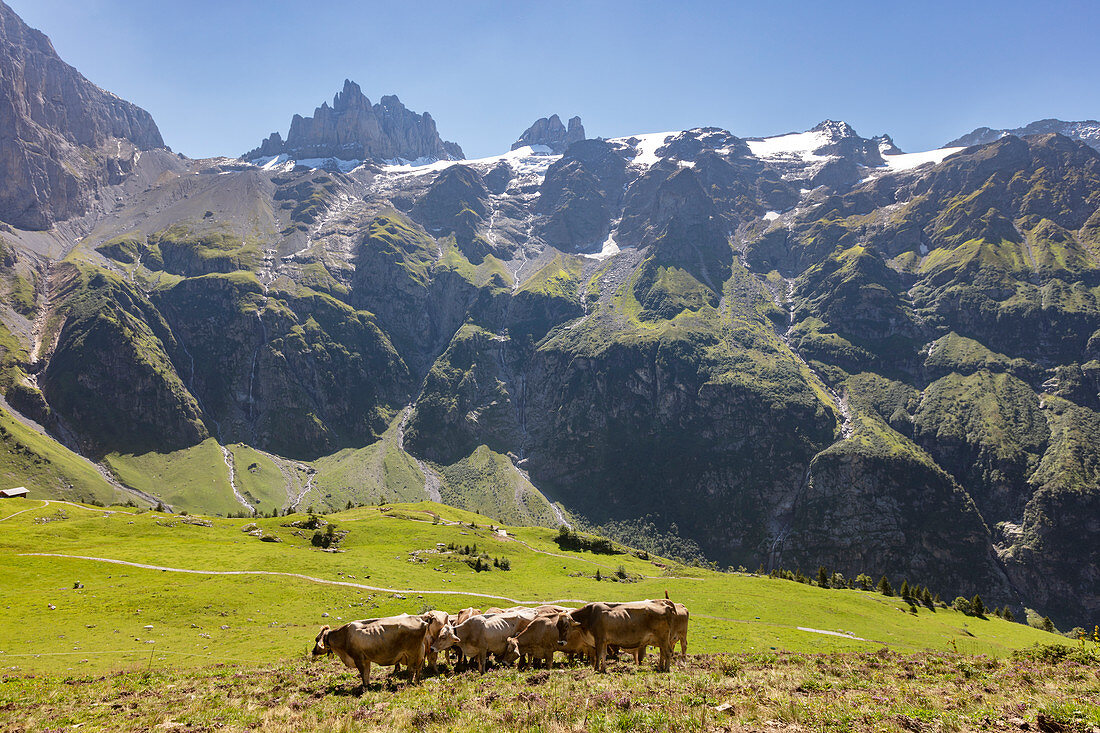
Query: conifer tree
x=976, y=606
x=822, y=576
x=884, y=587
x=905, y=590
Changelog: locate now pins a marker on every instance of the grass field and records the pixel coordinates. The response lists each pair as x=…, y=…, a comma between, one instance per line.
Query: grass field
x=127, y=629
x=861, y=691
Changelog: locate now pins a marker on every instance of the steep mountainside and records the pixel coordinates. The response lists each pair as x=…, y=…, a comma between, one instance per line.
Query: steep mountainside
x=799, y=350
x=63, y=136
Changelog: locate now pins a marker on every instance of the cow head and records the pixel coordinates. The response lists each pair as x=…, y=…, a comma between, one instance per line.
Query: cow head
x=445, y=640
x=511, y=651
x=319, y=646
x=565, y=625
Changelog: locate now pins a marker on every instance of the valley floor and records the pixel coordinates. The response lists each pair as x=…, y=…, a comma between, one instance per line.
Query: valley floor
x=863, y=691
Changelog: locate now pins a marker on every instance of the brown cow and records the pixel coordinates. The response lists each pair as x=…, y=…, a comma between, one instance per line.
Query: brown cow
x=626, y=625
x=539, y=641
x=438, y=619
x=455, y=620
x=480, y=636
x=386, y=641
x=679, y=633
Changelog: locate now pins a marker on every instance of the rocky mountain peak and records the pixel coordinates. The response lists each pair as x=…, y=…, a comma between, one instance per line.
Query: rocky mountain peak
x=835, y=129
x=886, y=145
x=354, y=129
x=549, y=131
x=48, y=112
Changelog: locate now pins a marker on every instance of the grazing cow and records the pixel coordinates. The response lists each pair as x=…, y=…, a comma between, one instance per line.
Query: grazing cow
x=679, y=634
x=550, y=610
x=438, y=619
x=480, y=636
x=386, y=641
x=626, y=625
x=539, y=641
x=455, y=620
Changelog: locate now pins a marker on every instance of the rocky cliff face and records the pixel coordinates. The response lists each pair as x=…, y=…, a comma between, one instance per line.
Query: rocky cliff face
x=549, y=131
x=54, y=130
x=354, y=129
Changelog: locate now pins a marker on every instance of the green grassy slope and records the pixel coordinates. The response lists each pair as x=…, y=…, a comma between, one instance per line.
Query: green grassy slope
x=195, y=479
x=45, y=467
x=487, y=483
x=267, y=482
x=125, y=615
x=379, y=472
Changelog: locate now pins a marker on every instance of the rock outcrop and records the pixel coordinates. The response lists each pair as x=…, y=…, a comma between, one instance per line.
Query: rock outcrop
x=354, y=129
x=54, y=130
x=549, y=131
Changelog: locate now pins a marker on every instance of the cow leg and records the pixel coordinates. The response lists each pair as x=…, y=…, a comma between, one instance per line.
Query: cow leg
x=364, y=673
x=482, y=656
x=665, y=660
x=684, y=645
x=600, y=662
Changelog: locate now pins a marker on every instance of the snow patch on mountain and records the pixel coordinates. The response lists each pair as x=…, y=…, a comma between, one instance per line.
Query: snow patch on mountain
x=906, y=161
x=645, y=146
x=609, y=249
x=526, y=160
x=285, y=163
x=795, y=145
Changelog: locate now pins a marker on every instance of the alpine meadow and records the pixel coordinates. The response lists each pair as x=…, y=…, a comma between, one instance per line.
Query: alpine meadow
x=675, y=431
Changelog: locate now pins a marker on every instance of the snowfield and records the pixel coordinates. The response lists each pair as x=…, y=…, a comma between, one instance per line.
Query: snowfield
x=795, y=145
x=528, y=160
x=905, y=161
x=646, y=147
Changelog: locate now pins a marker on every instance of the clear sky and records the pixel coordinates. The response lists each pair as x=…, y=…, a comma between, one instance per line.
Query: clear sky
x=219, y=75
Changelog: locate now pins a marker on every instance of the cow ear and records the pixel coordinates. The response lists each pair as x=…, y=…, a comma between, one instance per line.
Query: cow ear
x=322, y=637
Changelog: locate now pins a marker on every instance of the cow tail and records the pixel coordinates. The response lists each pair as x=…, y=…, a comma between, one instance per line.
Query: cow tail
x=666, y=595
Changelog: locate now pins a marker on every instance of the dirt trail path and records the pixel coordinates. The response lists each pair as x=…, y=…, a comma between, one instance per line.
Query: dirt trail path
x=47, y=502
x=308, y=578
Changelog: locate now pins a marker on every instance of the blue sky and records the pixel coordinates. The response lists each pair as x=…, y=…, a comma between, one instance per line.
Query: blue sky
x=220, y=75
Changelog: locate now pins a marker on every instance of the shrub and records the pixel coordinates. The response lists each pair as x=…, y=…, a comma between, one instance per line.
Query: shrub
x=962, y=605
x=864, y=581
x=570, y=540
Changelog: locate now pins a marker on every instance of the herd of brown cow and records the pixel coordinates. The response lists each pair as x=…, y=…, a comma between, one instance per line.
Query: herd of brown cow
x=520, y=634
